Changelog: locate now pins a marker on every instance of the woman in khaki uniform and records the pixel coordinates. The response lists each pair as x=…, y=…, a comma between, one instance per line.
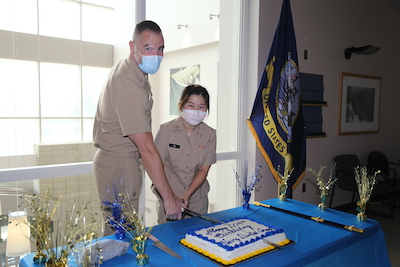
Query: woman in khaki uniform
x=187, y=148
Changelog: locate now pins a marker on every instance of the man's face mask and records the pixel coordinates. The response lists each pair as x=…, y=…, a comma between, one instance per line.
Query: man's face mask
x=150, y=64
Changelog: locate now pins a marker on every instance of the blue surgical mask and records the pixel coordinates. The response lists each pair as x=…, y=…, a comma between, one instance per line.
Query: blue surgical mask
x=150, y=64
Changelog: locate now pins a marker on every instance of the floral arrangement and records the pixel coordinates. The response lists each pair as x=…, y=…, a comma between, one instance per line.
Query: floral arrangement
x=41, y=222
x=114, y=203
x=133, y=225
x=54, y=248
x=324, y=186
x=246, y=187
x=69, y=232
x=365, y=185
x=116, y=220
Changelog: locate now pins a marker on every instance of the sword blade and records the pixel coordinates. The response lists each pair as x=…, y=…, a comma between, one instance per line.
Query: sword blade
x=198, y=215
x=157, y=243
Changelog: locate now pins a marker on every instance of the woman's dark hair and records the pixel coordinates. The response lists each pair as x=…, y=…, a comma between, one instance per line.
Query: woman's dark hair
x=193, y=89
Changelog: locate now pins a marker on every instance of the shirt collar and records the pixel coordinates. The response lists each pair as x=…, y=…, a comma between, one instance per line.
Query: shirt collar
x=178, y=125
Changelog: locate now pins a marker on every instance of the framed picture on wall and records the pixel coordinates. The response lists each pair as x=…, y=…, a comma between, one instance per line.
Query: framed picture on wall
x=180, y=78
x=359, y=103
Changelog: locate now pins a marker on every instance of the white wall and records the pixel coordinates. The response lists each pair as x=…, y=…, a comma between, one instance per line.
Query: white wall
x=193, y=13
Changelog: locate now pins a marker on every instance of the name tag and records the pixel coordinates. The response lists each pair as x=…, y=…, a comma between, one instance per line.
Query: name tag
x=174, y=146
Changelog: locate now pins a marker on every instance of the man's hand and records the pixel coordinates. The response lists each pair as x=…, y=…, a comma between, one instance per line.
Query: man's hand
x=173, y=208
x=155, y=169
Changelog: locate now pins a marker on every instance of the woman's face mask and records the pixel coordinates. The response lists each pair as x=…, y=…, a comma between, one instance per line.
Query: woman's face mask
x=193, y=117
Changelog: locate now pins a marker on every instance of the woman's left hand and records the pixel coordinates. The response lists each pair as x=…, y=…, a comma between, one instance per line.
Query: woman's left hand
x=186, y=201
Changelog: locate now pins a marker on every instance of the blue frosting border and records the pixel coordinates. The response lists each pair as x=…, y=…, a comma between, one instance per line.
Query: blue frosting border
x=230, y=248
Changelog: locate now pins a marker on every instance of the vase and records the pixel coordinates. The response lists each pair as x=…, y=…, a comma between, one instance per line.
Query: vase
x=322, y=206
x=139, y=246
x=119, y=233
x=246, y=198
x=361, y=208
x=39, y=258
x=142, y=259
x=322, y=203
x=282, y=190
x=62, y=262
x=41, y=240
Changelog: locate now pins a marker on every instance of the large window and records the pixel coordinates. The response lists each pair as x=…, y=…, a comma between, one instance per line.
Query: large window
x=87, y=20
x=50, y=86
x=55, y=56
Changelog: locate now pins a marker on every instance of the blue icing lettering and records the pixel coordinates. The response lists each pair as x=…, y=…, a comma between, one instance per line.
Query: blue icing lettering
x=234, y=234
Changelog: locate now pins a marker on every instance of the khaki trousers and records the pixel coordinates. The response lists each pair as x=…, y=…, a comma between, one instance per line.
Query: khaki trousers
x=117, y=174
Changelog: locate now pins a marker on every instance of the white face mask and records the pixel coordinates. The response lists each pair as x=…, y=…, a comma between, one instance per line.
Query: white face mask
x=193, y=117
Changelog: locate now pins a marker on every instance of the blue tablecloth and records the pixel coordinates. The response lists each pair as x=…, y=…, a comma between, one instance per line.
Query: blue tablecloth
x=316, y=244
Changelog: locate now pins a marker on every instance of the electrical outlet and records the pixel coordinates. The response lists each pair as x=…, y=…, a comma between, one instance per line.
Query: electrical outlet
x=303, y=188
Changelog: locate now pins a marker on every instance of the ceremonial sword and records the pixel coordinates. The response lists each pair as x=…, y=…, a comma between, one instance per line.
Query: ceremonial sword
x=351, y=228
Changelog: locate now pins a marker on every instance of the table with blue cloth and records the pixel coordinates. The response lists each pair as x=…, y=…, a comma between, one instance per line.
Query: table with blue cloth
x=315, y=243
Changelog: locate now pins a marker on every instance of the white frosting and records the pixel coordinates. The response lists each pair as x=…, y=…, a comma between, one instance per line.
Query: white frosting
x=235, y=238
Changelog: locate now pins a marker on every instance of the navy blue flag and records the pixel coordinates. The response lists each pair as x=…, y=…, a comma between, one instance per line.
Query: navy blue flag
x=276, y=120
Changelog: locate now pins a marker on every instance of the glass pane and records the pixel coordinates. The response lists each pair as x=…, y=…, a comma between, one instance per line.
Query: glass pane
x=60, y=130
x=60, y=90
x=19, y=97
x=221, y=176
x=59, y=19
x=98, y=24
x=229, y=106
x=106, y=3
x=18, y=16
x=18, y=136
x=93, y=80
x=88, y=130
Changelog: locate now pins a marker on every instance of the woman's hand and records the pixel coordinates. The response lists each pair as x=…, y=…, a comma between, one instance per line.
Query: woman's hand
x=185, y=199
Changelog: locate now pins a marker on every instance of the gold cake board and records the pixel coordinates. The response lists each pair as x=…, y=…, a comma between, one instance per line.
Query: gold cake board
x=240, y=262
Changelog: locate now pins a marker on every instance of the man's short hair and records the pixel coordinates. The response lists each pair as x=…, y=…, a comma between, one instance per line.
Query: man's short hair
x=146, y=25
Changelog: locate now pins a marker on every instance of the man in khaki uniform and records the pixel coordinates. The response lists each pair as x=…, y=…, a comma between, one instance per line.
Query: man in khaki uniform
x=122, y=126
